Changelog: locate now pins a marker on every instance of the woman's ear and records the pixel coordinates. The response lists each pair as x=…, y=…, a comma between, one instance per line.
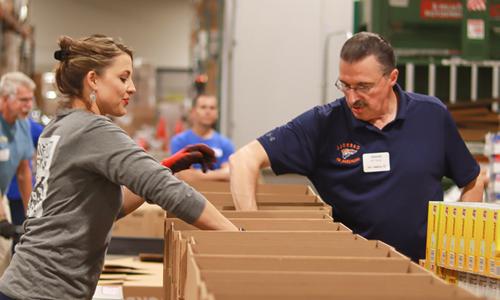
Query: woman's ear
x=91, y=80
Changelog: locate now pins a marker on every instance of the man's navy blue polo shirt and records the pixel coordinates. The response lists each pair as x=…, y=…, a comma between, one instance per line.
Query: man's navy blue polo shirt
x=327, y=144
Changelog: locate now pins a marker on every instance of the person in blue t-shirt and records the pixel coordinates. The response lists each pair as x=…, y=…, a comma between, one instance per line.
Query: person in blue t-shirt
x=203, y=115
x=15, y=201
x=377, y=155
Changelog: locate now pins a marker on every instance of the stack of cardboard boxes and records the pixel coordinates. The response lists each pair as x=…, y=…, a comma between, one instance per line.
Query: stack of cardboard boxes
x=291, y=249
x=463, y=244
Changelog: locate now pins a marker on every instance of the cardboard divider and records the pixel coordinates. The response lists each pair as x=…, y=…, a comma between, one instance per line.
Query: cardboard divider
x=259, y=224
x=283, y=189
x=272, y=207
x=314, y=243
x=310, y=285
x=281, y=214
x=305, y=263
x=225, y=199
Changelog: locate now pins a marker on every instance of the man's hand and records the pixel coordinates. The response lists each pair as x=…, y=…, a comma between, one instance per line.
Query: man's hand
x=192, y=154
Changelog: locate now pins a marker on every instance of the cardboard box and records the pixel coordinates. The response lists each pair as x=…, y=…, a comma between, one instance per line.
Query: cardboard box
x=199, y=264
x=139, y=280
x=146, y=221
x=313, y=243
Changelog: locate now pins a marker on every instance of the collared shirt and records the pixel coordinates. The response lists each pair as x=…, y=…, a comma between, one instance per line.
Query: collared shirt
x=15, y=145
x=420, y=146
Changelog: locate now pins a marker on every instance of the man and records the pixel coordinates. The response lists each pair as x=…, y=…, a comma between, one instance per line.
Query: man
x=16, y=148
x=377, y=155
x=16, y=205
x=204, y=114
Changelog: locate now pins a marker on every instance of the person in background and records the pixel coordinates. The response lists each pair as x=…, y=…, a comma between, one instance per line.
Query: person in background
x=17, y=209
x=16, y=149
x=89, y=172
x=204, y=114
x=376, y=155
x=14, y=31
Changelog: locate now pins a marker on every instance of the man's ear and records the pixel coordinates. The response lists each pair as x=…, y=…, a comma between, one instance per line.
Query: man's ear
x=91, y=79
x=394, y=76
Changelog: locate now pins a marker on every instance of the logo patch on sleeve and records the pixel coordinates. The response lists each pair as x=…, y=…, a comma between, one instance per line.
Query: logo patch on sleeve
x=347, y=153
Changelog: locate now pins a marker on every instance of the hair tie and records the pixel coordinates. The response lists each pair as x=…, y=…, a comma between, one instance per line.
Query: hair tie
x=61, y=55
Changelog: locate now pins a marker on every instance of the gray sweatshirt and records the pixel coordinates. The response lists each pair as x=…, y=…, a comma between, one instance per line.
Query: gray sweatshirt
x=82, y=161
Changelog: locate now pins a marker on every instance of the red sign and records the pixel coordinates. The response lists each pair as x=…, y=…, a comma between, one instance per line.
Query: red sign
x=495, y=10
x=441, y=9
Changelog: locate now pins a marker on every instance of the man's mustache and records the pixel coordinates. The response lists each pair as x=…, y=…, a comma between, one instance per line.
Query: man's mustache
x=359, y=104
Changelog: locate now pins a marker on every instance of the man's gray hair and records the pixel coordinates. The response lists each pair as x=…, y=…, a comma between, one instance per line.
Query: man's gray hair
x=12, y=80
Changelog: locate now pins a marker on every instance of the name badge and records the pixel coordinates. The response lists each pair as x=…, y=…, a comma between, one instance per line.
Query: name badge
x=4, y=154
x=376, y=162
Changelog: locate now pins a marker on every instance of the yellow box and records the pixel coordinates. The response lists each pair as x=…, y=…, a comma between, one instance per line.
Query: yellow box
x=470, y=217
x=460, y=237
x=480, y=239
x=443, y=235
x=432, y=234
x=492, y=241
x=450, y=248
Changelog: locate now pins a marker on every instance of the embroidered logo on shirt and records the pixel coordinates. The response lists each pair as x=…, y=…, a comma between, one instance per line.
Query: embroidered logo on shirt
x=347, y=151
x=270, y=136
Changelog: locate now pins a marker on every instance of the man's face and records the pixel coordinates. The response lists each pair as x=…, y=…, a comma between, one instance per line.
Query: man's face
x=20, y=105
x=205, y=111
x=366, y=88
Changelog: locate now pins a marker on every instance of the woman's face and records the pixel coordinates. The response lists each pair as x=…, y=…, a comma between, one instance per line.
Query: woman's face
x=115, y=86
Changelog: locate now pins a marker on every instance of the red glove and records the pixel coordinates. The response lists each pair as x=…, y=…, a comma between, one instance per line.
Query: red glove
x=192, y=154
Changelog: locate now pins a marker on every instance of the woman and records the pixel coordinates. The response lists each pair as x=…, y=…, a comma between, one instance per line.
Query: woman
x=82, y=161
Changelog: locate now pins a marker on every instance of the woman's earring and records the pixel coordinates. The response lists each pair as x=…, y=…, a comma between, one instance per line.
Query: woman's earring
x=92, y=97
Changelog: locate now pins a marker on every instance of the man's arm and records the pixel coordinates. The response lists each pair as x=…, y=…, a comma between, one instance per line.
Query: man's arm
x=245, y=165
x=473, y=191
x=24, y=181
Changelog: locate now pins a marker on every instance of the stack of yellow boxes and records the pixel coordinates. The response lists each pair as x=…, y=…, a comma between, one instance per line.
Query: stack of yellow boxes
x=463, y=244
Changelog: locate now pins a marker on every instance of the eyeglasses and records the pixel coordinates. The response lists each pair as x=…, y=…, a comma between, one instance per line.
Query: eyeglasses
x=363, y=88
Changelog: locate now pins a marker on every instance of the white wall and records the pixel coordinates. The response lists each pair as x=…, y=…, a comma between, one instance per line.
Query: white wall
x=277, y=61
x=157, y=30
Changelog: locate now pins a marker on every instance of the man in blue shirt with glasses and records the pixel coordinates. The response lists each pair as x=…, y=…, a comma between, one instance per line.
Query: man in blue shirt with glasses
x=377, y=155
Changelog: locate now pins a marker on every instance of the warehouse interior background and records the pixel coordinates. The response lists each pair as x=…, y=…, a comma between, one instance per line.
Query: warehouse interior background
x=268, y=61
